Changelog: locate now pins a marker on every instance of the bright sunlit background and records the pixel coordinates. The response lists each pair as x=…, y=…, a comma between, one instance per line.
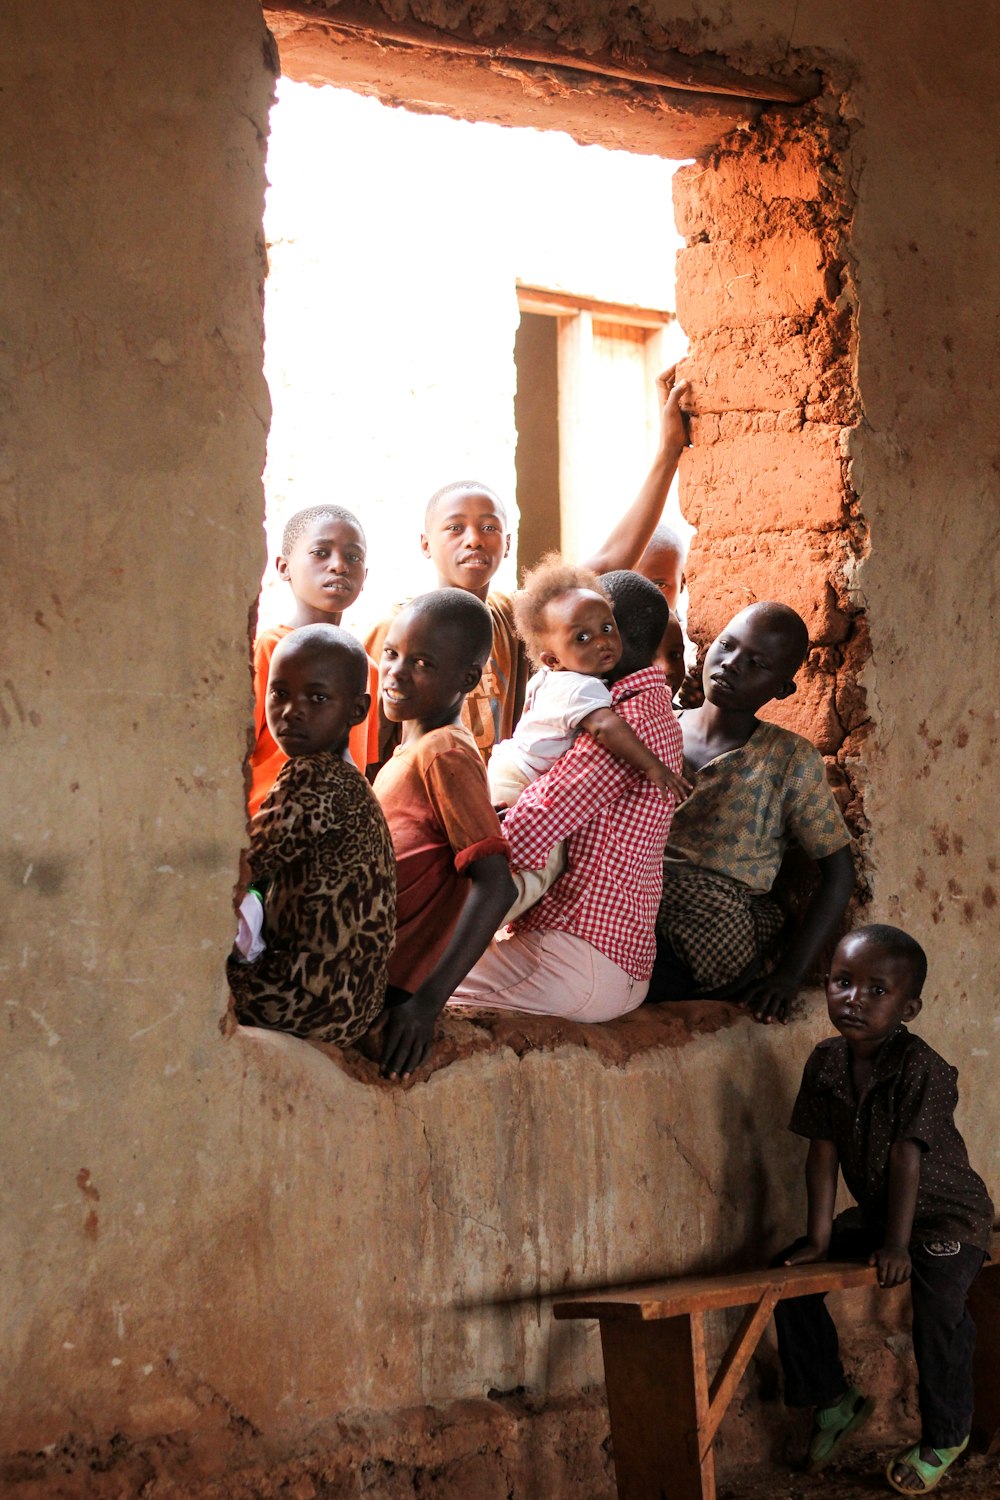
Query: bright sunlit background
x=396, y=241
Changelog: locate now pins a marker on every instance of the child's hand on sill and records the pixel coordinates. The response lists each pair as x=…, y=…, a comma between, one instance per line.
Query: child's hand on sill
x=771, y=998
x=407, y=1034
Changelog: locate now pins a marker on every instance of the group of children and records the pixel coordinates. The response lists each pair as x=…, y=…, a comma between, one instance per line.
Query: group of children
x=569, y=844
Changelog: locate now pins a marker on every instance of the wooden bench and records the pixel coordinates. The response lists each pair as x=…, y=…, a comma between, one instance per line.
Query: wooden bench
x=664, y=1410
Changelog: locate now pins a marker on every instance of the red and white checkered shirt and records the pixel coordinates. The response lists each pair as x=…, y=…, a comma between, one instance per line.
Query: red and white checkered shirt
x=615, y=826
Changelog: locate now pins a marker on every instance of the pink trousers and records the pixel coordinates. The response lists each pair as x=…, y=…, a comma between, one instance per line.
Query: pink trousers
x=550, y=974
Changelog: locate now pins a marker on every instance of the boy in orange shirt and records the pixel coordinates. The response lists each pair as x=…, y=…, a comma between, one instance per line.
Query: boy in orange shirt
x=452, y=874
x=324, y=561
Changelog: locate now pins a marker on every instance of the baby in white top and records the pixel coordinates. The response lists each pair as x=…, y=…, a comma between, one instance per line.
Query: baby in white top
x=569, y=629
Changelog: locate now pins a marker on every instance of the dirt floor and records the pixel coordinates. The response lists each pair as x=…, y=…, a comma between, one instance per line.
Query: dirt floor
x=975, y=1478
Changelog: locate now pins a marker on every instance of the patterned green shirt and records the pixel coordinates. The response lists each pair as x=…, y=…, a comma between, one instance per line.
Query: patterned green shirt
x=749, y=804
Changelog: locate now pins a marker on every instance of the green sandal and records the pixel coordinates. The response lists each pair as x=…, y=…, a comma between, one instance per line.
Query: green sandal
x=930, y=1475
x=832, y=1424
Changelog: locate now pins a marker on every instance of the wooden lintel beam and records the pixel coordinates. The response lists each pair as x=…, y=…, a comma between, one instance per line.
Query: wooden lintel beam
x=654, y=67
x=539, y=299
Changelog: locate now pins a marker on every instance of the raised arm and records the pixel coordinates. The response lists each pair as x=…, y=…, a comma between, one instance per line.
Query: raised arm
x=630, y=535
x=822, y=1165
x=769, y=999
x=610, y=730
x=408, y=1029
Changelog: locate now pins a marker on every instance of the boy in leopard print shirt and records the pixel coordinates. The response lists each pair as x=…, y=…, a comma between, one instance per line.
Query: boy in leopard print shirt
x=320, y=848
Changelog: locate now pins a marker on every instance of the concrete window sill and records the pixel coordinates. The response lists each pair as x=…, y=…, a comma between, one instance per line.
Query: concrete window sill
x=464, y=1034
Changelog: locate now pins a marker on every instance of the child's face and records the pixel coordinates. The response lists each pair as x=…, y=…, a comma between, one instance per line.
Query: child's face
x=747, y=666
x=580, y=635
x=868, y=992
x=671, y=655
x=467, y=540
x=663, y=566
x=311, y=704
x=326, y=568
x=424, y=673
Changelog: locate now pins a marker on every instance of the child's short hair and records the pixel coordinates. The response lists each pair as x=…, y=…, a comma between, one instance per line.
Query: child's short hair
x=303, y=519
x=552, y=579
x=331, y=641
x=461, y=613
x=666, y=539
x=784, y=621
x=898, y=944
x=464, y=484
x=641, y=612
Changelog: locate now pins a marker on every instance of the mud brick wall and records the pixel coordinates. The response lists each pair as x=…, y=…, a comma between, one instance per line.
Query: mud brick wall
x=764, y=293
x=233, y=1268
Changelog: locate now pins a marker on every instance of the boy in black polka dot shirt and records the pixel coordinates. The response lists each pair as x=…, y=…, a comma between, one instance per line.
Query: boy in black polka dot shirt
x=878, y=1104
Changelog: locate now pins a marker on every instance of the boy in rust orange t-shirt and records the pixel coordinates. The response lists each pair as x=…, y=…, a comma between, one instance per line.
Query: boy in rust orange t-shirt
x=323, y=560
x=452, y=873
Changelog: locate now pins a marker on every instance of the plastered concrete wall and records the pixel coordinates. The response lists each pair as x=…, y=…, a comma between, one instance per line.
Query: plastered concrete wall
x=134, y=416
x=222, y=1251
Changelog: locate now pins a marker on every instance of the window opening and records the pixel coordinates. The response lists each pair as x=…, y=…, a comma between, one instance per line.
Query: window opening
x=764, y=271
x=417, y=279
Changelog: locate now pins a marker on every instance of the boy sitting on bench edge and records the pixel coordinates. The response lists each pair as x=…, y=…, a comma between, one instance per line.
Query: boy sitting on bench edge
x=878, y=1104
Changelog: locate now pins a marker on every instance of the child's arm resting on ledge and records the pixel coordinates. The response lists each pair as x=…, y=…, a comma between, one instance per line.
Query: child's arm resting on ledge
x=628, y=539
x=610, y=730
x=892, y=1260
x=822, y=1165
x=408, y=1029
x=768, y=999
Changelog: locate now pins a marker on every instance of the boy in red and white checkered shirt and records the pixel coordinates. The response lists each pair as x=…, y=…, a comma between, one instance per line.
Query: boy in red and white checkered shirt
x=586, y=949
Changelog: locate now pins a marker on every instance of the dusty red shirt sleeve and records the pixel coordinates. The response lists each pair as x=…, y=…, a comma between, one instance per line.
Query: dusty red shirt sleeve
x=459, y=794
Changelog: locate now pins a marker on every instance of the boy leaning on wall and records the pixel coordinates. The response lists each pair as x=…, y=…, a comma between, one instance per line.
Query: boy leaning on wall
x=757, y=788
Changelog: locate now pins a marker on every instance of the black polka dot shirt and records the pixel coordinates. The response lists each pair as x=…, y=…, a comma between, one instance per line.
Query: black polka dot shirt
x=911, y=1096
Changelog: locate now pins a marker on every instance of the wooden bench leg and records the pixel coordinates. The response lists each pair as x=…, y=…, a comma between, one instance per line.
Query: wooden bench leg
x=733, y=1366
x=657, y=1387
